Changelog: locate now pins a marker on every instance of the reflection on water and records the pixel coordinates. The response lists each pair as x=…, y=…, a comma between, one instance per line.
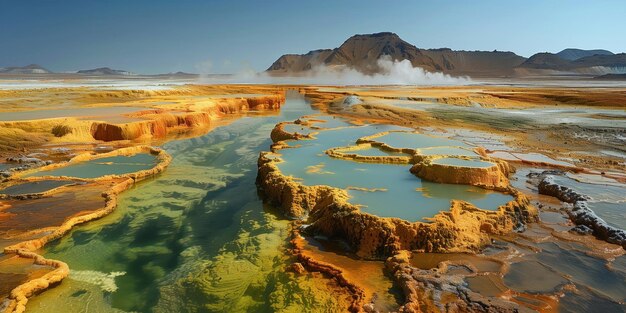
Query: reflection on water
x=448, y=151
x=533, y=277
x=428, y=261
x=463, y=162
x=34, y=187
x=487, y=285
x=116, y=165
x=607, y=201
x=373, y=151
x=328, y=121
x=295, y=128
x=546, y=268
x=414, y=141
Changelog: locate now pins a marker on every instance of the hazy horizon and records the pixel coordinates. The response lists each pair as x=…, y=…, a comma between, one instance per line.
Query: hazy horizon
x=150, y=37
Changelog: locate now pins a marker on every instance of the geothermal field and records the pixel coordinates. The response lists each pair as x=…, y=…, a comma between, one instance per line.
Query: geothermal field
x=422, y=157
x=264, y=198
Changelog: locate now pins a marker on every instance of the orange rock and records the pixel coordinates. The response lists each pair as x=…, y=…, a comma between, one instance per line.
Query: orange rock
x=463, y=229
x=494, y=177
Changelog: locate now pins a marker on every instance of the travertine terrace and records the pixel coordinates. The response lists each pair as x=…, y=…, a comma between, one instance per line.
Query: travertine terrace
x=323, y=237
x=150, y=124
x=328, y=212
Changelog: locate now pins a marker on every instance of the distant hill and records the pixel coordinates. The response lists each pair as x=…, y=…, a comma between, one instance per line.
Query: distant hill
x=474, y=62
x=611, y=77
x=575, y=54
x=613, y=60
x=177, y=75
x=105, y=71
x=597, y=64
x=28, y=69
x=300, y=62
x=546, y=61
x=361, y=52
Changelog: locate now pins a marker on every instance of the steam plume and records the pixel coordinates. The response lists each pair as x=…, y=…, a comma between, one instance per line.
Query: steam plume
x=390, y=72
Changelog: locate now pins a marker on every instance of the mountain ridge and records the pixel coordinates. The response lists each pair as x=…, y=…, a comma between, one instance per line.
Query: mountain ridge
x=572, y=54
x=362, y=51
x=105, y=71
x=596, y=64
x=28, y=69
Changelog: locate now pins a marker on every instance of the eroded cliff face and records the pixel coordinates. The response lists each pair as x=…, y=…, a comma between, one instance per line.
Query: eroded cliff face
x=279, y=133
x=493, y=177
x=178, y=110
x=159, y=123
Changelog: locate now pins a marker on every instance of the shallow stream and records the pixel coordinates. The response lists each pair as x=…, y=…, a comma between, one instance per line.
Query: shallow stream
x=195, y=238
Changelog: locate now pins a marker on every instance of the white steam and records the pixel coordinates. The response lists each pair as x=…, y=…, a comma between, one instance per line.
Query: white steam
x=390, y=73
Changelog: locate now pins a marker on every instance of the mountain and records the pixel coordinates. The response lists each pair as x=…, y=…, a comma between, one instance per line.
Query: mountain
x=300, y=62
x=575, y=54
x=104, y=71
x=361, y=52
x=597, y=64
x=546, y=61
x=28, y=69
x=611, y=77
x=177, y=75
x=474, y=62
x=613, y=60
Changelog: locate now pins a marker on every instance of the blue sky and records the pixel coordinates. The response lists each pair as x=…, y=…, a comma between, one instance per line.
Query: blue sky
x=156, y=36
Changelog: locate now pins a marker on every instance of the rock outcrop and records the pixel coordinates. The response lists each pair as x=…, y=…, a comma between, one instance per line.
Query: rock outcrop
x=159, y=123
x=360, y=52
x=493, y=177
x=153, y=123
x=580, y=213
x=352, y=153
x=279, y=133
